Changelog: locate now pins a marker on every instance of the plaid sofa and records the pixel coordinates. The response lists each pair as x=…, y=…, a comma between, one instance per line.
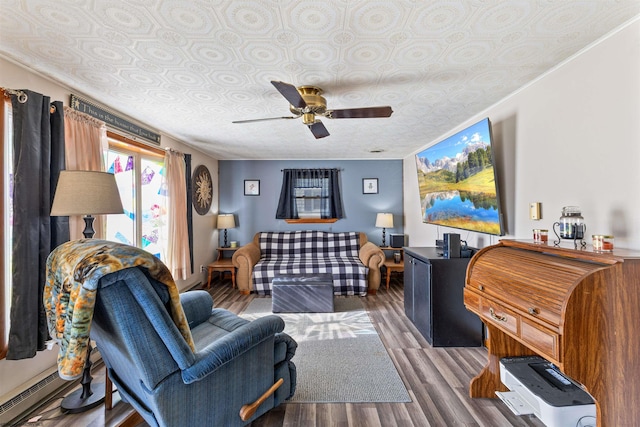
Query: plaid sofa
x=354, y=262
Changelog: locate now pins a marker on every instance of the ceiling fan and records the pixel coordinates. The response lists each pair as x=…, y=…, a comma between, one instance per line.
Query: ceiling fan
x=307, y=102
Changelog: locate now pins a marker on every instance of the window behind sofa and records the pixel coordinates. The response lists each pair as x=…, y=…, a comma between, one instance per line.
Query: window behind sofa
x=310, y=193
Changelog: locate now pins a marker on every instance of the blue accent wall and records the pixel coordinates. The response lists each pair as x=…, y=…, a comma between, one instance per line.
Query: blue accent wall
x=258, y=213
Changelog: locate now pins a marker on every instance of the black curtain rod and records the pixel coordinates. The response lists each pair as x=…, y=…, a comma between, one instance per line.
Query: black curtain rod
x=312, y=169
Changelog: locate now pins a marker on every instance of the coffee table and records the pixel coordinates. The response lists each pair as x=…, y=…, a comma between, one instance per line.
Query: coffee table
x=302, y=293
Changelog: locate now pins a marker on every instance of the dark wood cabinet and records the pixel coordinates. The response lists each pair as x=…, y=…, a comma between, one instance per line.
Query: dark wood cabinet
x=434, y=301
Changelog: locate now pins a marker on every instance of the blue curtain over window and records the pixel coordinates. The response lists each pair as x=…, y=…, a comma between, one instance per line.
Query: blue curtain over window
x=328, y=180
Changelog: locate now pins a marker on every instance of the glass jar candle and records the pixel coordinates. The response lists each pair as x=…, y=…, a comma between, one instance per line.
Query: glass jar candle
x=571, y=223
x=540, y=236
x=602, y=243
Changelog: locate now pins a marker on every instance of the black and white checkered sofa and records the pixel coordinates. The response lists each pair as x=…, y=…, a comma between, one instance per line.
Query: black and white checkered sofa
x=348, y=256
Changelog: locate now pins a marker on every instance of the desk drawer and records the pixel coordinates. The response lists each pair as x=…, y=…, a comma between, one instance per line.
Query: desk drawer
x=471, y=300
x=501, y=317
x=544, y=341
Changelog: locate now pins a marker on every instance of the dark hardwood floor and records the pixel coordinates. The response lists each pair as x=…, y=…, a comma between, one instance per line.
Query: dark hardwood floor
x=437, y=380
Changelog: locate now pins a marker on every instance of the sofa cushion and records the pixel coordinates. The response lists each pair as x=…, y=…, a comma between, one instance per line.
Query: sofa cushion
x=349, y=274
x=309, y=243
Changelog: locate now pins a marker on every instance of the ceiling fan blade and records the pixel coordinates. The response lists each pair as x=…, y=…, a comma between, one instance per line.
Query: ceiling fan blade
x=318, y=130
x=359, y=113
x=290, y=92
x=263, y=120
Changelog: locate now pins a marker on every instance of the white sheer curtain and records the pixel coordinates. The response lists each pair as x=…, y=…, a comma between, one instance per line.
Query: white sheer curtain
x=178, y=256
x=85, y=141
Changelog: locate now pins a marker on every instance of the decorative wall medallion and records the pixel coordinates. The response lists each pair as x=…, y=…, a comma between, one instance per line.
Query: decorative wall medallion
x=202, y=190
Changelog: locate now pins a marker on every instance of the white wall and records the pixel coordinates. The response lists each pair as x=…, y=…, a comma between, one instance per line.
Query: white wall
x=572, y=137
x=15, y=373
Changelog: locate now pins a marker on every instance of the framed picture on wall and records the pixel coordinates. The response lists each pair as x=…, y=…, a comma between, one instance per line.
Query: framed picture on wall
x=369, y=185
x=251, y=187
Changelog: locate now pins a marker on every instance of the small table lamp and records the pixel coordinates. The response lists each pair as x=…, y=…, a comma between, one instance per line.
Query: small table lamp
x=384, y=220
x=226, y=221
x=85, y=193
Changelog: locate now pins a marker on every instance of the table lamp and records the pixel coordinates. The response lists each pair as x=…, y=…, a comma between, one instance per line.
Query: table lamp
x=226, y=221
x=384, y=220
x=85, y=193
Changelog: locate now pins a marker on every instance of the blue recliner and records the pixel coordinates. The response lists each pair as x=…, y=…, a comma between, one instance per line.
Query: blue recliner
x=155, y=370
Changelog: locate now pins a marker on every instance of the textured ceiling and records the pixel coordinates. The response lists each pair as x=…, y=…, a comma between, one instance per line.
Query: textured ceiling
x=189, y=68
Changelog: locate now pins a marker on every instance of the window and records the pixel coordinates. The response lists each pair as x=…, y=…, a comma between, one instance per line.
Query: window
x=309, y=200
x=309, y=194
x=139, y=173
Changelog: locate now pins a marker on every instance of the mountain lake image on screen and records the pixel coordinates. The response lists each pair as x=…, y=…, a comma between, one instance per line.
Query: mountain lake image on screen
x=457, y=182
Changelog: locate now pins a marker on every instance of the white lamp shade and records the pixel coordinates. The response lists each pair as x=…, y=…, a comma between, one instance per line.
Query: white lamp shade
x=86, y=193
x=226, y=221
x=384, y=220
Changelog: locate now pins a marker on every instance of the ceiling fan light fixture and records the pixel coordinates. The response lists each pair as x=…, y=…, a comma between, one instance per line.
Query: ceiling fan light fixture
x=312, y=99
x=312, y=95
x=308, y=118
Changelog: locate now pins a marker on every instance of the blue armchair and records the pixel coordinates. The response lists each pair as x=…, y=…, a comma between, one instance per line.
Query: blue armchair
x=156, y=371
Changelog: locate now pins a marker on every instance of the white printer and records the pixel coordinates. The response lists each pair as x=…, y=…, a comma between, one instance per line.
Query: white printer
x=539, y=388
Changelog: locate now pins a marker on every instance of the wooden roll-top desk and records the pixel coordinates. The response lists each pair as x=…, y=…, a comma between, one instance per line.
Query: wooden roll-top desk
x=576, y=308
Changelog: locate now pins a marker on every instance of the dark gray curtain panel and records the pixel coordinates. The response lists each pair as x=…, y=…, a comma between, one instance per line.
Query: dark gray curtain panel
x=187, y=172
x=336, y=198
x=287, y=204
x=38, y=157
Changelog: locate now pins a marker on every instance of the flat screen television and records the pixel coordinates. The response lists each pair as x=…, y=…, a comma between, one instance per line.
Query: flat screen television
x=457, y=182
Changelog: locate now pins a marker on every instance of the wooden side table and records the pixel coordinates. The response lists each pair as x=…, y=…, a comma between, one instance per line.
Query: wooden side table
x=222, y=265
x=390, y=264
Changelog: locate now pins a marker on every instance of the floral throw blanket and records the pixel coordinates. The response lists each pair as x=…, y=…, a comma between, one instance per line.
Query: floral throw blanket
x=73, y=272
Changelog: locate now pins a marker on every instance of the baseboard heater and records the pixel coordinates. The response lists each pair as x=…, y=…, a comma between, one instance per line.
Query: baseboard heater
x=19, y=402
x=538, y=388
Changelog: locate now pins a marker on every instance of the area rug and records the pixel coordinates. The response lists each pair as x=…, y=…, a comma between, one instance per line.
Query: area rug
x=340, y=357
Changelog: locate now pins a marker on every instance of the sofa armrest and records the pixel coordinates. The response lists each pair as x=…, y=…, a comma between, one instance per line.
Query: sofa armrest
x=285, y=347
x=197, y=306
x=232, y=345
x=244, y=259
x=372, y=257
